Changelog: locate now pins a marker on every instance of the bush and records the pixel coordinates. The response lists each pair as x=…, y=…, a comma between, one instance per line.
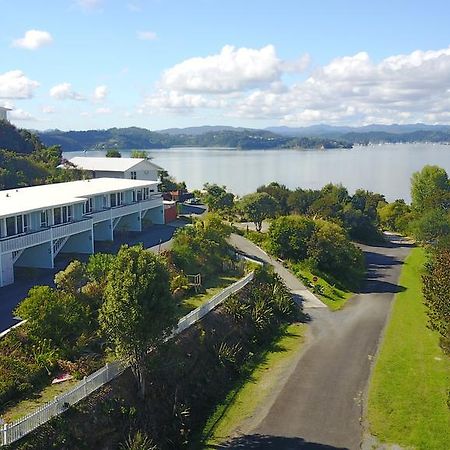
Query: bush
x=289, y=236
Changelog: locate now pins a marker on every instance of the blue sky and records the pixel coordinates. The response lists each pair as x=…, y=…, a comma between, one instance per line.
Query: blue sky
x=81, y=64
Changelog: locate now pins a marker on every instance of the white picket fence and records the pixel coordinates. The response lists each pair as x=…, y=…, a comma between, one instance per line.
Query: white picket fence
x=11, y=432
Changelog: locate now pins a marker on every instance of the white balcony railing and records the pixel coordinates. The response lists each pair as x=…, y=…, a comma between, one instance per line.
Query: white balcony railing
x=15, y=243
x=123, y=210
x=67, y=229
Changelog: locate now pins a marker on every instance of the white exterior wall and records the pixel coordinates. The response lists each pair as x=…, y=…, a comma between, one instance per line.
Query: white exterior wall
x=3, y=114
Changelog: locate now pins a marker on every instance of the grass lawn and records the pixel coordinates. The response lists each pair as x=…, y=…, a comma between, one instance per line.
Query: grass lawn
x=334, y=297
x=243, y=401
x=408, y=391
x=28, y=405
x=212, y=287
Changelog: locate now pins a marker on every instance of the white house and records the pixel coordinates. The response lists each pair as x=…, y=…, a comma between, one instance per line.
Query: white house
x=130, y=168
x=4, y=113
x=38, y=222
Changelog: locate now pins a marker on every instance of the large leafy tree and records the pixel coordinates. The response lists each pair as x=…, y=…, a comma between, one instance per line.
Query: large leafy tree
x=56, y=316
x=289, y=236
x=217, y=198
x=430, y=189
x=280, y=193
x=258, y=207
x=334, y=254
x=138, y=312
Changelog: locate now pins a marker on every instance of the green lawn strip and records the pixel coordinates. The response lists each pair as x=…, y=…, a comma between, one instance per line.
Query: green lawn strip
x=334, y=297
x=257, y=383
x=211, y=288
x=408, y=391
x=27, y=406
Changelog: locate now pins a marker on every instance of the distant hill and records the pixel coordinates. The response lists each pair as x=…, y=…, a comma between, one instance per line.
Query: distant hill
x=196, y=131
x=17, y=140
x=371, y=133
x=141, y=138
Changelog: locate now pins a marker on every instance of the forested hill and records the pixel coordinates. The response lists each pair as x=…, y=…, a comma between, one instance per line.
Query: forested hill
x=17, y=140
x=141, y=138
x=24, y=161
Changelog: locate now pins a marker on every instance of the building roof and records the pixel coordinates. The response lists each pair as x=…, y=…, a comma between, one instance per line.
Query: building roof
x=5, y=108
x=35, y=198
x=109, y=164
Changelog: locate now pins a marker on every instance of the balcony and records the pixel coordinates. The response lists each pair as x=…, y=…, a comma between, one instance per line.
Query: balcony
x=14, y=243
x=123, y=210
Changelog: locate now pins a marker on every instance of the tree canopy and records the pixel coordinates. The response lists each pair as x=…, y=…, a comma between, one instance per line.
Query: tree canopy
x=258, y=207
x=138, y=311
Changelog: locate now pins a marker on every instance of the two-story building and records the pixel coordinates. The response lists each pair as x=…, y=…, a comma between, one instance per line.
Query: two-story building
x=129, y=168
x=38, y=222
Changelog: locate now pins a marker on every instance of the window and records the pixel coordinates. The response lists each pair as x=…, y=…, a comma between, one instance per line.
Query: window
x=105, y=202
x=57, y=216
x=113, y=200
x=146, y=193
x=87, y=207
x=139, y=195
x=133, y=196
x=133, y=175
x=120, y=198
x=16, y=225
x=11, y=226
x=62, y=215
x=44, y=218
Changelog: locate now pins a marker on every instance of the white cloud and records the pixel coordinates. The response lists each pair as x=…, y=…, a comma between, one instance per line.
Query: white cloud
x=64, y=91
x=20, y=114
x=147, y=35
x=233, y=69
x=33, y=39
x=14, y=85
x=100, y=92
x=248, y=84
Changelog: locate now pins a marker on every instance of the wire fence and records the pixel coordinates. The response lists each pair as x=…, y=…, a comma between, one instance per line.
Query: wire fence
x=11, y=432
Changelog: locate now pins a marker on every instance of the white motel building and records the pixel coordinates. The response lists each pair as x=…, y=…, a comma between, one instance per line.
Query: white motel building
x=38, y=222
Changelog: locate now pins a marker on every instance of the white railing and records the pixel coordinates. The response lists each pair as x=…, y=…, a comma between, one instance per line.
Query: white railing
x=195, y=315
x=25, y=240
x=68, y=229
x=13, y=431
x=152, y=202
x=16, y=243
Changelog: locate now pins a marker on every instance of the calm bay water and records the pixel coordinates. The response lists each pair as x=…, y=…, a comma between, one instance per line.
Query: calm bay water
x=382, y=168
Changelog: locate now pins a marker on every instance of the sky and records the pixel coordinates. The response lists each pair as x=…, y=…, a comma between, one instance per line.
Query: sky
x=92, y=64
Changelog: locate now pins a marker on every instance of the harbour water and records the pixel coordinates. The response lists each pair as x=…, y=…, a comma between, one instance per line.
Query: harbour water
x=380, y=168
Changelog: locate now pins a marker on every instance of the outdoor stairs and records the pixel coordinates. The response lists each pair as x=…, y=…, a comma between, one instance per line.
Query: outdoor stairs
x=58, y=244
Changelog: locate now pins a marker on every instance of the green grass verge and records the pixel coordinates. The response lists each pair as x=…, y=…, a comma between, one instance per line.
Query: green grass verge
x=26, y=406
x=334, y=297
x=254, y=388
x=211, y=288
x=408, y=391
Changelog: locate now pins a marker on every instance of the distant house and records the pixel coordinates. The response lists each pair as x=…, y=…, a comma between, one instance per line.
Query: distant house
x=128, y=168
x=4, y=113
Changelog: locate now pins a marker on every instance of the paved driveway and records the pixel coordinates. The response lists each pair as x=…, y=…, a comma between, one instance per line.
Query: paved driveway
x=320, y=405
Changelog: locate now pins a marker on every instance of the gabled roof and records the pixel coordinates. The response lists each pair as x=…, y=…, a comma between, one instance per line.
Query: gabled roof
x=109, y=164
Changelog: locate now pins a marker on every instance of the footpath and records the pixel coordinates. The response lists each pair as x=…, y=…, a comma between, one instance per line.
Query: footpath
x=298, y=289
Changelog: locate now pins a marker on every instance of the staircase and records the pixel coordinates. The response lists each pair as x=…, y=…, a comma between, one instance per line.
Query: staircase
x=58, y=244
x=16, y=254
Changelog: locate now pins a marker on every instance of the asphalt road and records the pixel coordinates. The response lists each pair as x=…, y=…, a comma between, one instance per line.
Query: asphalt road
x=320, y=405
